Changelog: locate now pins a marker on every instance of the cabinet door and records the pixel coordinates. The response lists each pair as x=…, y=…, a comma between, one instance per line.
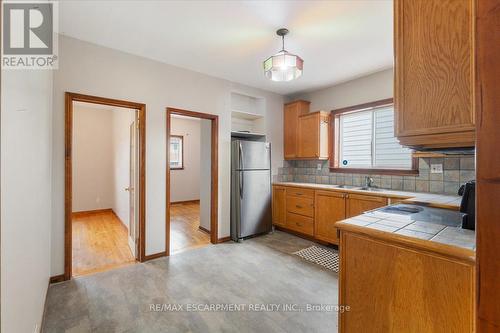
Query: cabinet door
x=291, y=115
x=330, y=208
x=290, y=124
x=309, y=136
x=358, y=204
x=405, y=284
x=434, y=71
x=279, y=205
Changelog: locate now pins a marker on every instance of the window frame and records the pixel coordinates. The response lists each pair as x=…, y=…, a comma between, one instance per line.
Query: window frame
x=181, y=138
x=334, y=141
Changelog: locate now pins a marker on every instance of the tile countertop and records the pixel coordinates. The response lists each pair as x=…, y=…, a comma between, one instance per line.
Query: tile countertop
x=405, y=226
x=431, y=199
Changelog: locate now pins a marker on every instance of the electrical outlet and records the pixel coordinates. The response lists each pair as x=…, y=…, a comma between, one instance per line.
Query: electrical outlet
x=436, y=168
x=318, y=167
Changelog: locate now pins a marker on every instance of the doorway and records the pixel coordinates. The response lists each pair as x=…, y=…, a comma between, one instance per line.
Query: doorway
x=104, y=184
x=184, y=219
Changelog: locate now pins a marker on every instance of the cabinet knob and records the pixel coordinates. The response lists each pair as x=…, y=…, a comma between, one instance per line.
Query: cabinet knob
x=298, y=206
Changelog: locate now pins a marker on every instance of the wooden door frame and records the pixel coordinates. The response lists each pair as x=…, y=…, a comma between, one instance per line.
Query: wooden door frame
x=68, y=186
x=214, y=190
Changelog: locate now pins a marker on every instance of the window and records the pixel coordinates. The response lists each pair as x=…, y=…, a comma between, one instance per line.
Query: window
x=176, y=152
x=364, y=139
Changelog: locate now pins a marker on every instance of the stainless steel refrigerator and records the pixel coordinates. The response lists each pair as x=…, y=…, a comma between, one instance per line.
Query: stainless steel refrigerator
x=250, y=189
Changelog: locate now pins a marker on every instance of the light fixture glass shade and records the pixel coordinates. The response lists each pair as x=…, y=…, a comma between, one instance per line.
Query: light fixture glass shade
x=283, y=66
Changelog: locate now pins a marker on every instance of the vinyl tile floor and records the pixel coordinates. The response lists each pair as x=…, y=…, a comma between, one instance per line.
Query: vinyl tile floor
x=227, y=287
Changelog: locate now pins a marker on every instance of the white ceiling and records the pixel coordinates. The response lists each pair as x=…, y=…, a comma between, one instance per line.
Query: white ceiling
x=338, y=40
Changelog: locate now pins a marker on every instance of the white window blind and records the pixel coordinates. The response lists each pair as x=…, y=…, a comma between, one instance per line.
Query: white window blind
x=388, y=153
x=356, y=139
x=367, y=141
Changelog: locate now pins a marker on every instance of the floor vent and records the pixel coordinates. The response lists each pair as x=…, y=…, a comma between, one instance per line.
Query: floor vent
x=321, y=256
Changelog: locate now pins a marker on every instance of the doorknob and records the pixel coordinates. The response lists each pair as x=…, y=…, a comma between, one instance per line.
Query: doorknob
x=129, y=189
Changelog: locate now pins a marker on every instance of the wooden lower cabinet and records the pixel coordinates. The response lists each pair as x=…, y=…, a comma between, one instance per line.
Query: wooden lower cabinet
x=357, y=204
x=391, y=287
x=279, y=205
x=314, y=212
x=329, y=208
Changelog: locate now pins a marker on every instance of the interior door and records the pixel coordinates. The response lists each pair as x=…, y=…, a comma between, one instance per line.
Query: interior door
x=133, y=234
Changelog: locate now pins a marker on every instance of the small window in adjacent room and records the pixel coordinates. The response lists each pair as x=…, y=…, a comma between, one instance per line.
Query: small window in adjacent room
x=364, y=139
x=176, y=152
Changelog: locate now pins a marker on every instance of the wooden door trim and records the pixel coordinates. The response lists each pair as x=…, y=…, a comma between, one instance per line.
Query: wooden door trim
x=214, y=190
x=68, y=167
x=487, y=166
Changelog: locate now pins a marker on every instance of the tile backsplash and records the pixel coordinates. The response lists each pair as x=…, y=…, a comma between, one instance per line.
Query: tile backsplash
x=456, y=171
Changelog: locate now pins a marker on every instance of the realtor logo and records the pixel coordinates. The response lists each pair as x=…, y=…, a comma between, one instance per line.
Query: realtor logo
x=28, y=35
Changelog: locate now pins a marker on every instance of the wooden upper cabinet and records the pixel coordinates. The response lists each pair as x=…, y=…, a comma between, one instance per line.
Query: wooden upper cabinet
x=313, y=135
x=291, y=115
x=357, y=204
x=329, y=209
x=279, y=205
x=434, y=73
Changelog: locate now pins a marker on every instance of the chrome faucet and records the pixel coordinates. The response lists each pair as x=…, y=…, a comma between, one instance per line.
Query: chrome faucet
x=369, y=182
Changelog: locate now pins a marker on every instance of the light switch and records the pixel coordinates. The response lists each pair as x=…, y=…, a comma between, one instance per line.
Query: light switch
x=318, y=167
x=436, y=168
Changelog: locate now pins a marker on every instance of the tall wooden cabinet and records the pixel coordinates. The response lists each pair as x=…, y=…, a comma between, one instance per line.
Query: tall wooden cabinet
x=305, y=134
x=434, y=73
x=291, y=115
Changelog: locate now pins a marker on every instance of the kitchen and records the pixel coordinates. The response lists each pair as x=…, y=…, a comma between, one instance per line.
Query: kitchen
x=351, y=184
x=406, y=236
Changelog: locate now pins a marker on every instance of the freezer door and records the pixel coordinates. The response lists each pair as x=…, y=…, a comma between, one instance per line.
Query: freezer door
x=251, y=211
x=251, y=155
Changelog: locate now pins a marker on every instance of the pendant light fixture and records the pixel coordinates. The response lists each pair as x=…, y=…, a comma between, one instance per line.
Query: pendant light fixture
x=283, y=66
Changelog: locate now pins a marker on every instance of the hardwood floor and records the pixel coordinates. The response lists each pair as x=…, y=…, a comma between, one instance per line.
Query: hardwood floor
x=100, y=243
x=184, y=227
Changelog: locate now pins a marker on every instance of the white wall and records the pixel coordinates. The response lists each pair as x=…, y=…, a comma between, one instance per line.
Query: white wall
x=365, y=89
x=121, y=120
x=25, y=197
x=93, y=170
x=185, y=183
x=95, y=70
x=205, y=172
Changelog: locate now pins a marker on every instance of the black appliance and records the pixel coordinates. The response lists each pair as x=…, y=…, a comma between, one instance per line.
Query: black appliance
x=468, y=205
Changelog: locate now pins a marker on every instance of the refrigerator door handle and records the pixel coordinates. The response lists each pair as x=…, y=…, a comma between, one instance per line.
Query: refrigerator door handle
x=241, y=183
x=240, y=156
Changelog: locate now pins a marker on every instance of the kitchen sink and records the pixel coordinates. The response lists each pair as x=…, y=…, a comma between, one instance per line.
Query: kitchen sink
x=365, y=188
x=350, y=187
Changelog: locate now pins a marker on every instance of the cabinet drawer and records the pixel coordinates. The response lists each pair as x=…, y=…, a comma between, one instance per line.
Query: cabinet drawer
x=299, y=223
x=300, y=205
x=300, y=192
